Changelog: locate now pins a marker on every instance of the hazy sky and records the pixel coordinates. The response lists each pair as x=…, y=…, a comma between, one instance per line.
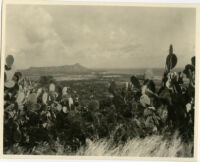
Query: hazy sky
x=97, y=36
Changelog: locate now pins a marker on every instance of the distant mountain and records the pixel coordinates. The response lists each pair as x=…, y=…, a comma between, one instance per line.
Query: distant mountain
x=57, y=70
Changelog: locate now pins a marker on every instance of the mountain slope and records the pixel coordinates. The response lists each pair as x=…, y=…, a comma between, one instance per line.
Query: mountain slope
x=57, y=70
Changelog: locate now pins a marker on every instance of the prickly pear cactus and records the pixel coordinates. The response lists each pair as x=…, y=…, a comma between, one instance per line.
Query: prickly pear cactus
x=171, y=60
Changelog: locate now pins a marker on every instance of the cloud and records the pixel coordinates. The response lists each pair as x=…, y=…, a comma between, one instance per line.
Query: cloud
x=41, y=42
x=98, y=36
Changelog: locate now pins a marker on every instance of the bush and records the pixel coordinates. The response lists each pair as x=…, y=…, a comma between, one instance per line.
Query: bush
x=46, y=80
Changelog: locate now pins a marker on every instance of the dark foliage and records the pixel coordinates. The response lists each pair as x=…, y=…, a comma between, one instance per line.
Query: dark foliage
x=98, y=112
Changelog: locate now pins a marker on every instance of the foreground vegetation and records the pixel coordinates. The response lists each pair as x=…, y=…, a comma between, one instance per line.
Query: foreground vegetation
x=102, y=118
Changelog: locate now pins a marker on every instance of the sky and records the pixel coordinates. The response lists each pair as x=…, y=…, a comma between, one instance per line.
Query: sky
x=98, y=36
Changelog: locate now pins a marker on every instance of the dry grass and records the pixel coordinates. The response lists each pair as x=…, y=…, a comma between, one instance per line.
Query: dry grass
x=153, y=146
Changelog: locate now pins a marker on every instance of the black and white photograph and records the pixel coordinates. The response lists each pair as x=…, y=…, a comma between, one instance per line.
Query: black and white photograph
x=99, y=80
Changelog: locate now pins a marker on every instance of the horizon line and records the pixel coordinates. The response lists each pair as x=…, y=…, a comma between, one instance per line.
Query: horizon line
x=98, y=67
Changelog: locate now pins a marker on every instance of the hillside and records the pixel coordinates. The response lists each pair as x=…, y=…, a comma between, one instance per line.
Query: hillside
x=57, y=70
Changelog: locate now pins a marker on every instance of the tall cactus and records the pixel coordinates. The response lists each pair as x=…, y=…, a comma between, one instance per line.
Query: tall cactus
x=171, y=60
